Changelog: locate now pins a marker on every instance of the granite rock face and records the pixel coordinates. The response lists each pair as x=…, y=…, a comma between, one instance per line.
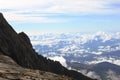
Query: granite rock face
x=19, y=48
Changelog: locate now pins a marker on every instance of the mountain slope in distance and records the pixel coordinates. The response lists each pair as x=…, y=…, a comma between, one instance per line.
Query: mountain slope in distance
x=105, y=70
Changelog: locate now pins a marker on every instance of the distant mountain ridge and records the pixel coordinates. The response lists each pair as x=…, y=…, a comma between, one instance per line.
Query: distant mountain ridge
x=103, y=70
x=19, y=48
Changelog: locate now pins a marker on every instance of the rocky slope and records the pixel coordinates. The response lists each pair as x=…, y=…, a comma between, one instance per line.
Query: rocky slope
x=9, y=70
x=19, y=48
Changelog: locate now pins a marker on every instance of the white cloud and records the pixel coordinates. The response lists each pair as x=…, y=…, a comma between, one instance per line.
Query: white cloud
x=105, y=59
x=117, y=35
x=104, y=36
x=100, y=47
x=85, y=72
x=54, y=6
x=58, y=5
x=60, y=59
x=13, y=16
x=93, y=75
x=96, y=53
x=111, y=75
x=90, y=74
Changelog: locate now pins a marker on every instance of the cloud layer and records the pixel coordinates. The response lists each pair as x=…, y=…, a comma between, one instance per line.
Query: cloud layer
x=26, y=10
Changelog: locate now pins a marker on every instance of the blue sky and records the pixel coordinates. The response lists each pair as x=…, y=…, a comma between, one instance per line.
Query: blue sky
x=58, y=16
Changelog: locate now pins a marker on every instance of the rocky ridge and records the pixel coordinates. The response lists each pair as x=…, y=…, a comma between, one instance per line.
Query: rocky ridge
x=19, y=48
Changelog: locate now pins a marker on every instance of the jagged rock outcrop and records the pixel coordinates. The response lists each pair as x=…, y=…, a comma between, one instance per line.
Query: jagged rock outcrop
x=19, y=48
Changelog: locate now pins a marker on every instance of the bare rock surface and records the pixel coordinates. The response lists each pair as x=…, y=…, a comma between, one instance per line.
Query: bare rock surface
x=9, y=70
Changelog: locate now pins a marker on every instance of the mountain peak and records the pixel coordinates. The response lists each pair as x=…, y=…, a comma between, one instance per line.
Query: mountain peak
x=1, y=15
x=2, y=19
x=19, y=48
